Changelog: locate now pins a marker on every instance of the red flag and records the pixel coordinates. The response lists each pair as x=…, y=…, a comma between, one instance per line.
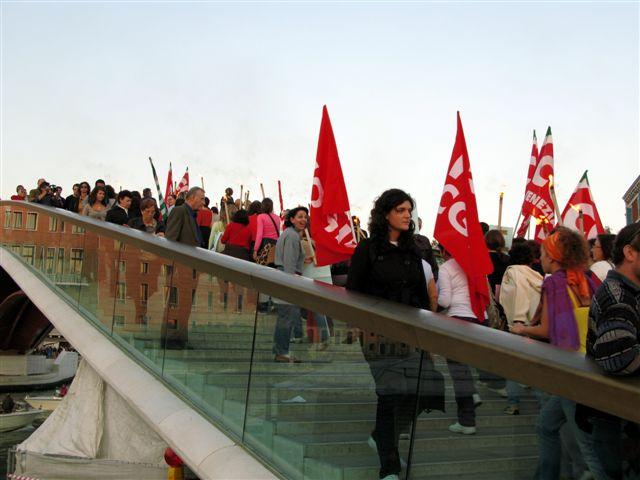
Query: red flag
x=537, y=199
x=533, y=163
x=331, y=227
x=458, y=228
x=169, y=188
x=582, y=200
x=183, y=186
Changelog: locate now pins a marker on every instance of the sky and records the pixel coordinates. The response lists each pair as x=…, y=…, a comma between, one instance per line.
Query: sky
x=235, y=92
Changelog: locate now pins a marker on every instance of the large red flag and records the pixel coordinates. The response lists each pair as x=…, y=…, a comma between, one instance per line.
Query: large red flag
x=582, y=200
x=169, y=190
x=533, y=163
x=183, y=186
x=331, y=227
x=537, y=199
x=458, y=228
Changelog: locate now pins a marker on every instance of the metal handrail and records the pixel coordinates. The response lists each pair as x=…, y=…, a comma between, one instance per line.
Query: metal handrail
x=528, y=361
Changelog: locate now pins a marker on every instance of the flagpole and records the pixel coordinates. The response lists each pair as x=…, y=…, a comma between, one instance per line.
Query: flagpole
x=500, y=211
x=241, y=191
x=552, y=190
x=515, y=229
x=202, y=181
x=581, y=221
x=262, y=190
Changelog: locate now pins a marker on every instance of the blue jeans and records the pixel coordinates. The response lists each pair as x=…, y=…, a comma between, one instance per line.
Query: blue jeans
x=554, y=414
x=288, y=315
x=513, y=392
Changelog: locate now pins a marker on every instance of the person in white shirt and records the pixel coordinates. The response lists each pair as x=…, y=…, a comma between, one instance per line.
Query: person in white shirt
x=453, y=294
x=601, y=251
x=519, y=296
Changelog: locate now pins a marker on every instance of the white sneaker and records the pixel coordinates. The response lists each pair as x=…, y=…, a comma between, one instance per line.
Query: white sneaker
x=477, y=400
x=500, y=391
x=457, y=428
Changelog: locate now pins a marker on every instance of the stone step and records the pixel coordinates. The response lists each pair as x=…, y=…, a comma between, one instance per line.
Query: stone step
x=480, y=463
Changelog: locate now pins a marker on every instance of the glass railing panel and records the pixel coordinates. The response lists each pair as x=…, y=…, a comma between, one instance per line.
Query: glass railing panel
x=70, y=259
x=209, y=337
x=137, y=285
x=335, y=409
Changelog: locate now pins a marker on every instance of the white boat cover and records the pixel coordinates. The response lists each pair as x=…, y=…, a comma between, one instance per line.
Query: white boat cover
x=94, y=422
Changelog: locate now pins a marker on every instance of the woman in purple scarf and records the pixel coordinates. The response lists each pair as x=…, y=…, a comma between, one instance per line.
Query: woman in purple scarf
x=565, y=291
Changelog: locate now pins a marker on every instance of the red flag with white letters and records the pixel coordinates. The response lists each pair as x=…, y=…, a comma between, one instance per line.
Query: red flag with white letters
x=331, y=227
x=537, y=198
x=582, y=201
x=169, y=189
x=533, y=163
x=458, y=228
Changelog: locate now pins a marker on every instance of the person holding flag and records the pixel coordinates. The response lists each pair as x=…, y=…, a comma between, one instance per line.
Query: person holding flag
x=581, y=213
x=463, y=287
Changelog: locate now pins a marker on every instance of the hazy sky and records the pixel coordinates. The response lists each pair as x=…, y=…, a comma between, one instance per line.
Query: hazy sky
x=236, y=92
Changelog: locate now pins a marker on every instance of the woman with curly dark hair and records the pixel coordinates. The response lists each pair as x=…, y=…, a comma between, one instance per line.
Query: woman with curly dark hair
x=97, y=205
x=388, y=265
x=561, y=319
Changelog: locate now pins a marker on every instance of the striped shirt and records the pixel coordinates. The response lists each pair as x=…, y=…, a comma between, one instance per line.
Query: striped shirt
x=613, y=339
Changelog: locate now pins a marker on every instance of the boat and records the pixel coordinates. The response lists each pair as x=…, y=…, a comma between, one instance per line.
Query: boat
x=18, y=419
x=35, y=372
x=46, y=403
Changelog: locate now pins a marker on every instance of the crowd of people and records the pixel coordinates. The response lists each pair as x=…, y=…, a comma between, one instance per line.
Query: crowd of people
x=572, y=294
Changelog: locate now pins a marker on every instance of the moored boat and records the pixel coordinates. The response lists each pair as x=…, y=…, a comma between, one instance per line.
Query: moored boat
x=18, y=419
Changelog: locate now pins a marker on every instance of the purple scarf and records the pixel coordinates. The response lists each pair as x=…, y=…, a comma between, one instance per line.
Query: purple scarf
x=563, y=329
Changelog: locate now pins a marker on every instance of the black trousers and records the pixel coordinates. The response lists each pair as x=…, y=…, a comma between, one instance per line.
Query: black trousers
x=394, y=416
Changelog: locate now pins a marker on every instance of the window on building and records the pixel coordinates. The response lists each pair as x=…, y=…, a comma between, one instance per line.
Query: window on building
x=77, y=229
x=7, y=219
x=194, y=298
x=144, y=293
x=17, y=219
x=53, y=224
x=77, y=254
x=29, y=254
x=172, y=293
x=194, y=274
x=167, y=269
x=144, y=267
x=17, y=249
x=118, y=320
x=60, y=262
x=32, y=220
x=210, y=301
x=122, y=266
x=49, y=262
x=121, y=291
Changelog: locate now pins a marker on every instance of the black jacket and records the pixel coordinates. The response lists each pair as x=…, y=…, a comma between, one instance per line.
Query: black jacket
x=138, y=224
x=386, y=271
x=117, y=215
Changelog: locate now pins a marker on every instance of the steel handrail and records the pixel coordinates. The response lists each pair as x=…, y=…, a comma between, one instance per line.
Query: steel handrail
x=528, y=361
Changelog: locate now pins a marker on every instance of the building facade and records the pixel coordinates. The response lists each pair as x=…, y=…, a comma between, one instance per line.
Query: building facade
x=632, y=201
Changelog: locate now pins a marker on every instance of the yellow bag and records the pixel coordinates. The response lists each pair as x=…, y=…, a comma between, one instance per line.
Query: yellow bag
x=582, y=320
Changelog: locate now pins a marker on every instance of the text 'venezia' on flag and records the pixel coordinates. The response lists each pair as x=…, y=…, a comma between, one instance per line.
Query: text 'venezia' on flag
x=183, y=186
x=537, y=199
x=581, y=201
x=331, y=227
x=533, y=163
x=458, y=227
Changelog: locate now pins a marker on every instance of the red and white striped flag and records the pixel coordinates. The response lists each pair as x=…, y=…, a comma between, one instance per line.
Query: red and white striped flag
x=533, y=163
x=183, y=186
x=169, y=190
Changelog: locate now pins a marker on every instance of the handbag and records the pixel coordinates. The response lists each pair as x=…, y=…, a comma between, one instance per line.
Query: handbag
x=267, y=252
x=495, y=312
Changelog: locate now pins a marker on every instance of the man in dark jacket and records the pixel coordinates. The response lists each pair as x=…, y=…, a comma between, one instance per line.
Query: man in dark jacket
x=119, y=214
x=181, y=224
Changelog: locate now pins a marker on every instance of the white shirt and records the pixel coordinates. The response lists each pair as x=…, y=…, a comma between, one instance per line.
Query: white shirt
x=453, y=290
x=428, y=271
x=600, y=269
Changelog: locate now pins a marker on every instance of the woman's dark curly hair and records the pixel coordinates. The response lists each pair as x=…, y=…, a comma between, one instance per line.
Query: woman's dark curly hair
x=521, y=254
x=292, y=213
x=574, y=248
x=378, y=224
x=93, y=196
x=241, y=216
